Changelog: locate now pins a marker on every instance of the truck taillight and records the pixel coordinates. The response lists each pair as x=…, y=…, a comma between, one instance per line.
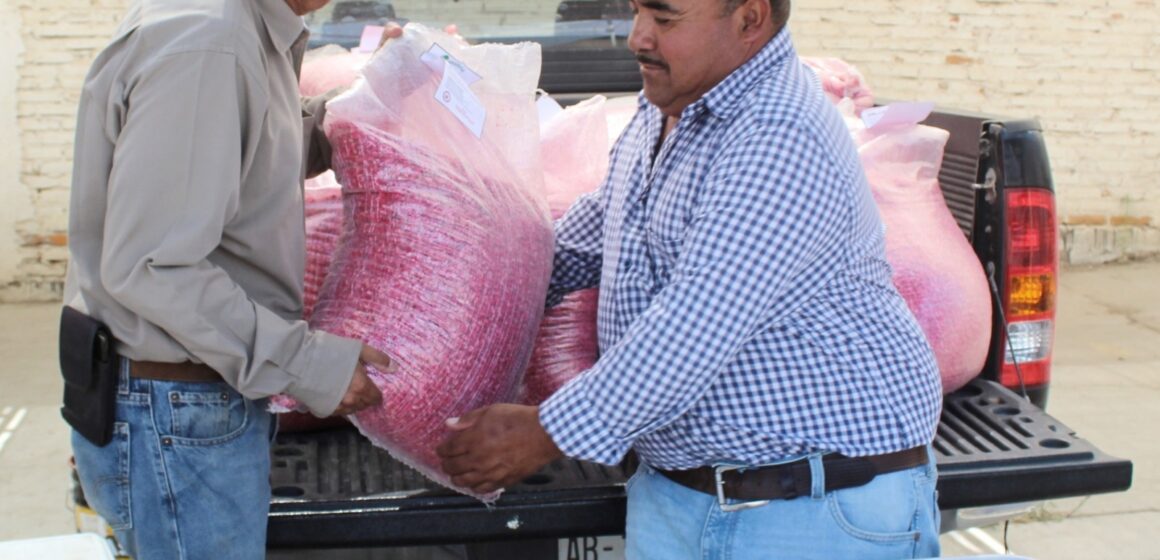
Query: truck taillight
x=1032, y=271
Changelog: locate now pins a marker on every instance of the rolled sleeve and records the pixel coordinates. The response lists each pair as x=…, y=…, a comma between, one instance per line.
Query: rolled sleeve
x=332, y=364
x=575, y=426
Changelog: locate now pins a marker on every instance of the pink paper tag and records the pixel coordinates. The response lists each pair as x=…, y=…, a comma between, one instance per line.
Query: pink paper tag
x=895, y=114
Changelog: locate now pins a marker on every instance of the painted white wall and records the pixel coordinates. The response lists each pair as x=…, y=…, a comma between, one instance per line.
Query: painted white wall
x=15, y=201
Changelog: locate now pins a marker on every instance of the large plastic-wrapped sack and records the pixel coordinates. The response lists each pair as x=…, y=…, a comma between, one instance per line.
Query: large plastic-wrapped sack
x=447, y=243
x=574, y=149
x=935, y=269
x=840, y=81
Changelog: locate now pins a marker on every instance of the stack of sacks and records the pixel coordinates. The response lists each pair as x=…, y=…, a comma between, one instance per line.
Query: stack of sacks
x=934, y=267
x=574, y=149
x=322, y=70
x=842, y=82
x=447, y=243
x=323, y=227
x=329, y=67
x=574, y=152
x=620, y=111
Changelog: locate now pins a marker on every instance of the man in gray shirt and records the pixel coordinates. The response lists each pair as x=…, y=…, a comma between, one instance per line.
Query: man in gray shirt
x=186, y=238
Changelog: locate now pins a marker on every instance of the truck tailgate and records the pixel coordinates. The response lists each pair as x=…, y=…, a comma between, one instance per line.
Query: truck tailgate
x=334, y=489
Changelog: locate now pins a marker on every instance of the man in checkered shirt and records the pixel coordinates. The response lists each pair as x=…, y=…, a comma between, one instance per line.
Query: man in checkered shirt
x=754, y=353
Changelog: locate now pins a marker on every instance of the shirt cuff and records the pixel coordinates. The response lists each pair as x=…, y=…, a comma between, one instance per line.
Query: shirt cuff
x=575, y=426
x=325, y=381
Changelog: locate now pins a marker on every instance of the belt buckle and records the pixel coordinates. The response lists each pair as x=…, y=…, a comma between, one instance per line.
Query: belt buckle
x=719, y=479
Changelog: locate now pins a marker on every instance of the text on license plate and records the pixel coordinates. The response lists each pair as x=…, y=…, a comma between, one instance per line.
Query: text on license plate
x=592, y=548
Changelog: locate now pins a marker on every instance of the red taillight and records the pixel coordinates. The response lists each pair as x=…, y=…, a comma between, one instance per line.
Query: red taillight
x=1032, y=271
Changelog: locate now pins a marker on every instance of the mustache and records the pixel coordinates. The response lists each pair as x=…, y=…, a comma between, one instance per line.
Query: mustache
x=644, y=59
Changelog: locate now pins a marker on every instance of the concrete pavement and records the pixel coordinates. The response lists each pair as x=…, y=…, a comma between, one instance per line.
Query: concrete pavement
x=1106, y=387
x=34, y=453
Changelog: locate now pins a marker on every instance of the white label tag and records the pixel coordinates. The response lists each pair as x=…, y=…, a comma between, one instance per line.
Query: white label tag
x=454, y=94
x=902, y=113
x=437, y=58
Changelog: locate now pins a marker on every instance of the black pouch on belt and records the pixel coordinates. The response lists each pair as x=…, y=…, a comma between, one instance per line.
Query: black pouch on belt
x=88, y=362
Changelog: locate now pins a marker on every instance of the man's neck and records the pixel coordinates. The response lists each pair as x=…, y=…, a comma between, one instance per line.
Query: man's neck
x=667, y=125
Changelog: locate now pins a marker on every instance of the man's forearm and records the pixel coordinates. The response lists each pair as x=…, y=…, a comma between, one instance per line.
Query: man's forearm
x=316, y=147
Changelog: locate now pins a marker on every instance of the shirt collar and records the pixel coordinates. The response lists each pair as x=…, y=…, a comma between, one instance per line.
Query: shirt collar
x=284, y=26
x=725, y=97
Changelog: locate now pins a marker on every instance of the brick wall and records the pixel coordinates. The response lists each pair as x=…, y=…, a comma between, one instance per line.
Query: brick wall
x=15, y=204
x=58, y=39
x=1088, y=69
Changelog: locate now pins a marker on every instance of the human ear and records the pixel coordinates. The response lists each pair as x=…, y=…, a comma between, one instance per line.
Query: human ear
x=753, y=15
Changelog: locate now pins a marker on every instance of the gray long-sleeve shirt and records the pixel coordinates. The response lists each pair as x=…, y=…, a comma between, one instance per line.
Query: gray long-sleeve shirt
x=186, y=231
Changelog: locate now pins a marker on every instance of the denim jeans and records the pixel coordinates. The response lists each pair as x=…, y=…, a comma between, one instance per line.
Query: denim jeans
x=894, y=516
x=187, y=473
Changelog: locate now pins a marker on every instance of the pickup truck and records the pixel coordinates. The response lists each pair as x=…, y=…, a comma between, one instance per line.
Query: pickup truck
x=995, y=445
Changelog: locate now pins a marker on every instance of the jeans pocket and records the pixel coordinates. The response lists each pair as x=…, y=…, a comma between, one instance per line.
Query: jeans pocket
x=207, y=414
x=104, y=476
x=882, y=511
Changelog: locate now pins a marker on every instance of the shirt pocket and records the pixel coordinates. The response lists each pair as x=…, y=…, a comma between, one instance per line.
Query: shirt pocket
x=664, y=249
x=668, y=223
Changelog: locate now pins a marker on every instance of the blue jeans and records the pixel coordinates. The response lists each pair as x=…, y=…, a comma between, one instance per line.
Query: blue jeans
x=894, y=516
x=187, y=473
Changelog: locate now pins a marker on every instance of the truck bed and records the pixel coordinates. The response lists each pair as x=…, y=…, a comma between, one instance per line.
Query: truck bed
x=334, y=489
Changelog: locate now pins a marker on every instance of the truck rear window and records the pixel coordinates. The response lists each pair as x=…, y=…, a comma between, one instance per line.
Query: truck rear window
x=583, y=41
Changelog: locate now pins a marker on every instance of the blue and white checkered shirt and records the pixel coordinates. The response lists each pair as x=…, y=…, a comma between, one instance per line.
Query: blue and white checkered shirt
x=746, y=309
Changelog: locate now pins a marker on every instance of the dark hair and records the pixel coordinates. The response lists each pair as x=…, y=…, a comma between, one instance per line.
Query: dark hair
x=780, y=10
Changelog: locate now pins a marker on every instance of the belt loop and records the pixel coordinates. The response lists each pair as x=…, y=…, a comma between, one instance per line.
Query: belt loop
x=817, y=477
x=123, y=377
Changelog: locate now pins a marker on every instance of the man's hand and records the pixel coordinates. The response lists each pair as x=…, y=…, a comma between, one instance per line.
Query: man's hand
x=495, y=447
x=390, y=31
x=363, y=393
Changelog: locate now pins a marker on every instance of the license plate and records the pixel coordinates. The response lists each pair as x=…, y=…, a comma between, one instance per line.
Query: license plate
x=592, y=548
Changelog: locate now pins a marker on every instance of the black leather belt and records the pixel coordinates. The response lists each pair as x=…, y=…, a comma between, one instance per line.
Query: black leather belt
x=167, y=371
x=790, y=480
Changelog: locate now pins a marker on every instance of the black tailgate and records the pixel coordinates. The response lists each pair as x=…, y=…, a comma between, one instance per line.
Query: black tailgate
x=334, y=488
